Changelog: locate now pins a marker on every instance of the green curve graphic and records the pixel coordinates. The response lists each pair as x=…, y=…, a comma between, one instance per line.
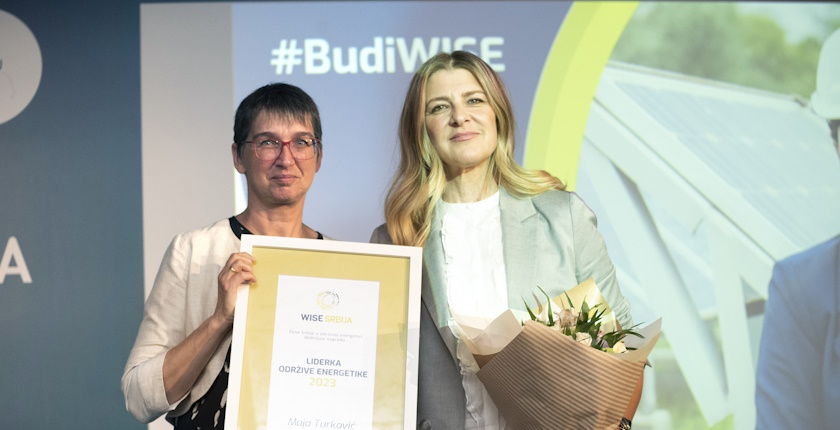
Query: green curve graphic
x=567, y=85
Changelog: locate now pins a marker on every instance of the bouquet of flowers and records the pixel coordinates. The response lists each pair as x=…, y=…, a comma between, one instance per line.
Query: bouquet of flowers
x=588, y=325
x=570, y=366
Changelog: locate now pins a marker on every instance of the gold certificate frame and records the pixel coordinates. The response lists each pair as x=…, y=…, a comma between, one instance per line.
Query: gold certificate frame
x=396, y=269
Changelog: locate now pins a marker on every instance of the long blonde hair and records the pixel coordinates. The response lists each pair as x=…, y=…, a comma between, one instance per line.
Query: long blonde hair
x=420, y=179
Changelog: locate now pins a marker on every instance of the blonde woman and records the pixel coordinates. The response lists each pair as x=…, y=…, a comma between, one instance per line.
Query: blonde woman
x=492, y=231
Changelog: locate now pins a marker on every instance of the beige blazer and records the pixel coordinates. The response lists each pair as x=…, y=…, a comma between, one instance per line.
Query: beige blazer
x=183, y=296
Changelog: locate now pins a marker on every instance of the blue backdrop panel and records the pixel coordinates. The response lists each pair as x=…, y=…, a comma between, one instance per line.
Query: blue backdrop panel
x=70, y=167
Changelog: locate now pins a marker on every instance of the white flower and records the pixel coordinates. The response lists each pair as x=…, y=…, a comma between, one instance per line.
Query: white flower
x=619, y=347
x=583, y=338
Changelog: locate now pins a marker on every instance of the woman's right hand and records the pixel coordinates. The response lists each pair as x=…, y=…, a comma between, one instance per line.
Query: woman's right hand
x=237, y=270
x=187, y=360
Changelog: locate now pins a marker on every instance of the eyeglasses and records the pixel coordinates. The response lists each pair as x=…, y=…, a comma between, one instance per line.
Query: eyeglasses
x=302, y=149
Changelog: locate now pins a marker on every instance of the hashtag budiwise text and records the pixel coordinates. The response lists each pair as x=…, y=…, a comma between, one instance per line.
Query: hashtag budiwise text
x=317, y=56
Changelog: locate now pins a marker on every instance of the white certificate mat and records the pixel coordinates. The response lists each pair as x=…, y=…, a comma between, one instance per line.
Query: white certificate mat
x=325, y=333
x=327, y=338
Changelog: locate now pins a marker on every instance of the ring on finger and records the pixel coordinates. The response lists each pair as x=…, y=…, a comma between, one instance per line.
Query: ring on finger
x=232, y=269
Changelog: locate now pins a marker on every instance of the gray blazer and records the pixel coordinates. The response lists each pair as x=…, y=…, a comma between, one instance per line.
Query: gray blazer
x=798, y=372
x=549, y=241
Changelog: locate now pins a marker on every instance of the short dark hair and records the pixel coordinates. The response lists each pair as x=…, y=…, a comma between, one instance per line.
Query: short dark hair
x=279, y=99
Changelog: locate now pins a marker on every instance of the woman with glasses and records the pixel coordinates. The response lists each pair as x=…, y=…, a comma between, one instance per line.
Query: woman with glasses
x=180, y=360
x=491, y=230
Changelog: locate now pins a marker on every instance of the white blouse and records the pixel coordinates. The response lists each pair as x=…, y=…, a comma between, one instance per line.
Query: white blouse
x=471, y=235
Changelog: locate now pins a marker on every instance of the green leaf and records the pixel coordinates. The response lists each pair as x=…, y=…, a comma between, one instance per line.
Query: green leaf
x=533, y=317
x=548, y=302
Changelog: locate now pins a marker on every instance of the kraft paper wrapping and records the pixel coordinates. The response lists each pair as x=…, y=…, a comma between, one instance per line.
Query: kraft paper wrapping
x=540, y=378
x=544, y=379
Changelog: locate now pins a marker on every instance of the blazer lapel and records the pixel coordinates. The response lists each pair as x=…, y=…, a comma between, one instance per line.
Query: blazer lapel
x=434, y=291
x=520, y=224
x=435, y=294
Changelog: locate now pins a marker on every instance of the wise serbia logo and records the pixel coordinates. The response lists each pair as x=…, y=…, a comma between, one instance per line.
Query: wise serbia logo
x=327, y=300
x=20, y=66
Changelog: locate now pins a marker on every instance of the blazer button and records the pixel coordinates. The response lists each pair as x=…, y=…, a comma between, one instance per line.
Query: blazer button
x=425, y=425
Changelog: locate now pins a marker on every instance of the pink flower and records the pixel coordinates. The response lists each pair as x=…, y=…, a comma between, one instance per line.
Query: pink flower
x=601, y=342
x=567, y=317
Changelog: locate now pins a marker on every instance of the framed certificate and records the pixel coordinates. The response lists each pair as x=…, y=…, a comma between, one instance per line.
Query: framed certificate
x=327, y=338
